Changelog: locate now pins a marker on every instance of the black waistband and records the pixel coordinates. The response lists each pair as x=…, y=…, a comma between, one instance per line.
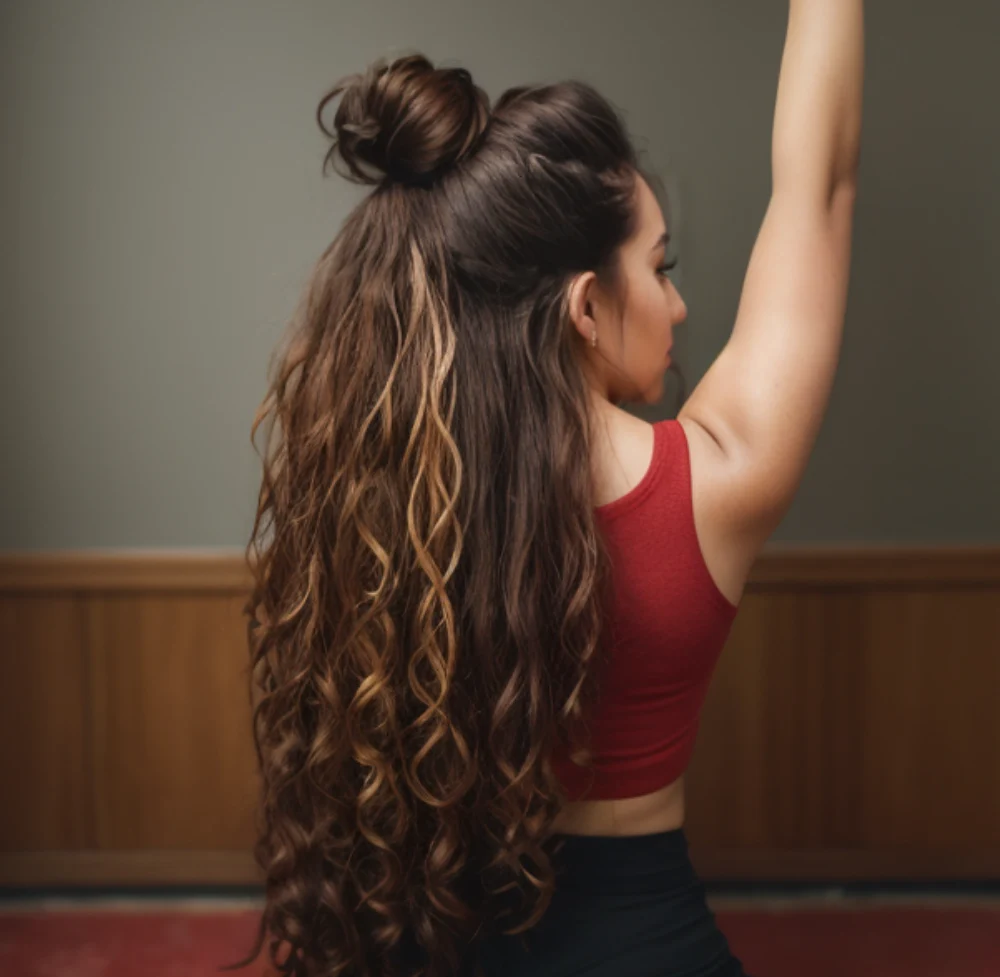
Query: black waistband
x=621, y=856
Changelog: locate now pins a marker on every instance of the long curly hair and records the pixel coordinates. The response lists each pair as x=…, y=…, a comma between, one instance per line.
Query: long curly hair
x=428, y=610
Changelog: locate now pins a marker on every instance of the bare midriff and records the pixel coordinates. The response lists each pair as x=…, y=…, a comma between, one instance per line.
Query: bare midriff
x=662, y=810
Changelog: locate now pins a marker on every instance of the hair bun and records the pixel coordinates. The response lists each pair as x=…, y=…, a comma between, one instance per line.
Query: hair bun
x=404, y=120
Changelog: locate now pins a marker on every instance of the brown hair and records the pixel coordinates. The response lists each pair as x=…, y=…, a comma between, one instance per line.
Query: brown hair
x=429, y=585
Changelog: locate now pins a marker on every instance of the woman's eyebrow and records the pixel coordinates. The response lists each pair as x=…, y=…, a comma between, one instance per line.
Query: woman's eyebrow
x=663, y=240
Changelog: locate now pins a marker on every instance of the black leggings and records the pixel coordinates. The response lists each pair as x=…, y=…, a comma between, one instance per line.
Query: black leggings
x=624, y=906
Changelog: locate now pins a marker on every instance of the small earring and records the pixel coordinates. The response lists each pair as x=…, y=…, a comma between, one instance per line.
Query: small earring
x=593, y=339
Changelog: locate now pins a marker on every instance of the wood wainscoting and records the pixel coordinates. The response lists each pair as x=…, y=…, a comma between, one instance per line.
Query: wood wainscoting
x=852, y=730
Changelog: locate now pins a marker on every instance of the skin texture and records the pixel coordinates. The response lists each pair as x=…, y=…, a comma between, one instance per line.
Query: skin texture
x=634, y=317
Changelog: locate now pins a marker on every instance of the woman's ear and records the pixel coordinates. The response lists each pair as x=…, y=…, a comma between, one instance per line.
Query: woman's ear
x=582, y=293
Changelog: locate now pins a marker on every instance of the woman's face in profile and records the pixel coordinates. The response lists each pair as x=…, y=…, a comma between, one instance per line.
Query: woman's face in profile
x=634, y=315
x=651, y=309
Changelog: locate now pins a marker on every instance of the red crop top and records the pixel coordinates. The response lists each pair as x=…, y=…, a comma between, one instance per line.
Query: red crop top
x=671, y=623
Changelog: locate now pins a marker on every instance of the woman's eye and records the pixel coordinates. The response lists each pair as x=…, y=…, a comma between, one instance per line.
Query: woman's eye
x=667, y=266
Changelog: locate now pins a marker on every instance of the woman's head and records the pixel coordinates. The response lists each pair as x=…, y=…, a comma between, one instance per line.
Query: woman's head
x=428, y=613
x=540, y=205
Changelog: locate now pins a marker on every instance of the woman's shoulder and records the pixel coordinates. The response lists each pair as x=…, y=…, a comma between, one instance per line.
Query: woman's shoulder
x=624, y=447
x=630, y=451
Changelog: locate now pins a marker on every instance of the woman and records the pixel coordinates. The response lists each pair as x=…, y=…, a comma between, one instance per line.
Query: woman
x=491, y=599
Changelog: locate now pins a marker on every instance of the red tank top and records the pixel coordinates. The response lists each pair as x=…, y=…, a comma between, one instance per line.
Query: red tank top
x=670, y=624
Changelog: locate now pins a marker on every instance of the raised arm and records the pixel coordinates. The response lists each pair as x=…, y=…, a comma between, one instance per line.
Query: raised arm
x=763, y=400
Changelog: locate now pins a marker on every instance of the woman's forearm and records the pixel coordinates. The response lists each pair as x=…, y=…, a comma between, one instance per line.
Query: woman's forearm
x=817, y=118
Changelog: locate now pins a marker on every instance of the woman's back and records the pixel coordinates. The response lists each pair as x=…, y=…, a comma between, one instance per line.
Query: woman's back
x=623, y=454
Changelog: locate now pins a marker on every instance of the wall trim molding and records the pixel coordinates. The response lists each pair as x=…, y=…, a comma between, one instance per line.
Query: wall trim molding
x=197, y=867
x=226, y=571
x=208, y=571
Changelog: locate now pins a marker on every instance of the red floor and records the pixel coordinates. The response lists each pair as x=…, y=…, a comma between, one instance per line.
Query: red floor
x=806, y=942
x=883, y=942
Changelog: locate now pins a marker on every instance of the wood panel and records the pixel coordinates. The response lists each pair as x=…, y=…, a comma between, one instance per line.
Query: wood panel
x=930, y=720
x=171, y=722
x=775, y=764
x=45, y=756
x=851, y=731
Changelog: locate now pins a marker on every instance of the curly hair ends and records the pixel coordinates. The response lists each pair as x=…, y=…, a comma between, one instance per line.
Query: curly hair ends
x=426, y=620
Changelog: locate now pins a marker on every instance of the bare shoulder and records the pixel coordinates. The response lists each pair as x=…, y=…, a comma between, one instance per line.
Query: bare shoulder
x=729, y=543
x=623, y=452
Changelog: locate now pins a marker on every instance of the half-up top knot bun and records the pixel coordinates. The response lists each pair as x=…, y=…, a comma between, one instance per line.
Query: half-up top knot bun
x=404, y=120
